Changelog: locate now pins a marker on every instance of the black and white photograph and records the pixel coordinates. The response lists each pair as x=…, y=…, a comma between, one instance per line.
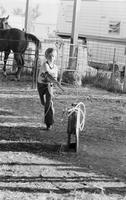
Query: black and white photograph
x=62, y=100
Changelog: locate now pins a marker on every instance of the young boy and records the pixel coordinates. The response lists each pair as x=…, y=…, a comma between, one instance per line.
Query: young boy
x=45, y=86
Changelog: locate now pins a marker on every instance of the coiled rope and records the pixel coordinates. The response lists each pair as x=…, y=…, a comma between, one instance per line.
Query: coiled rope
x=80, y=109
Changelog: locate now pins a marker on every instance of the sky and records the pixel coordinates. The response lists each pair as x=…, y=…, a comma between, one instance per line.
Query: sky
x=47, y=8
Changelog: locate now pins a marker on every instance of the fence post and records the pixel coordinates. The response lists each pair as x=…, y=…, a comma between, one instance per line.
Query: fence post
x=124, y=86
x=62, y=64
x=35, y=69
x=73, y=55
x=1, y=56
x=114, y=60
x=113, y=70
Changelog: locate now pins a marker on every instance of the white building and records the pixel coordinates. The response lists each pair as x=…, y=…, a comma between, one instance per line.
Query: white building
x=96, y=18
x=103, y=24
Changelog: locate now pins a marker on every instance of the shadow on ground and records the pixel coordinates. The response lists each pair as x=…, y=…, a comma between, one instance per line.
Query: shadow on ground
x=41, y=143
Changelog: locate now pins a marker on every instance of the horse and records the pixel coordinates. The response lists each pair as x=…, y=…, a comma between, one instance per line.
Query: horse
x=4, y=23
x=15, y=40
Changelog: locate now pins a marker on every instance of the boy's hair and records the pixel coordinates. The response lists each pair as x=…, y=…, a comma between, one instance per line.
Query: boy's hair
x=49, y=51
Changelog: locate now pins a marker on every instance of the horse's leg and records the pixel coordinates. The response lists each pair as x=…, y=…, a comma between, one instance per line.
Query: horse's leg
x=6, y=54
x=20, y=62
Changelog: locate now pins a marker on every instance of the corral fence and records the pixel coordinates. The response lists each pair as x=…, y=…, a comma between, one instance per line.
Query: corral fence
x=30, y=62
x=33, y=61
x=63, y=58
x=97, y=53
x=103, y=51
x=108, y=54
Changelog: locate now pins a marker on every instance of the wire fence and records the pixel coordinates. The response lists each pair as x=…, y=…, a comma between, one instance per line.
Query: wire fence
x=98, y=53
x=63, y=57
x=29, y=57
x=99, y=18
x=102, y=54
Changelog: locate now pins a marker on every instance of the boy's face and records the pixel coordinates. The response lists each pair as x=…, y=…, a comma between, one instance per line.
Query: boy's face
x=52, y=56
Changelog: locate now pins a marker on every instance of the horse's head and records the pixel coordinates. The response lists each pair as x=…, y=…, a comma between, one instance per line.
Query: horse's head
x=4, y=23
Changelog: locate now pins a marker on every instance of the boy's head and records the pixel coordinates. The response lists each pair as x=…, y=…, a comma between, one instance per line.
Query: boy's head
x=50, y=54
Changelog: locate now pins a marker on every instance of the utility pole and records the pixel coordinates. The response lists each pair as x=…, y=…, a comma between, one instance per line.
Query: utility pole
x=26, y=16
x=73, y=53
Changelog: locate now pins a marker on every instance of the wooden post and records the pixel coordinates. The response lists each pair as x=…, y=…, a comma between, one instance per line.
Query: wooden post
x=1, y=56
x=113, y=71
x=35, y=69
x=62, y=63
x=74, y=35
x=124, y=86
x=26, y=16
x=114, y=60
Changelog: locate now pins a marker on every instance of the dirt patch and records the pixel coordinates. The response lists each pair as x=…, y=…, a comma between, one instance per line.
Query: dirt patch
x=34, y=163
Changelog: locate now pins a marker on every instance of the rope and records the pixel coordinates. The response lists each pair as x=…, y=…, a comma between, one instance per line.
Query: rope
x=48, y=108
x=80, y=107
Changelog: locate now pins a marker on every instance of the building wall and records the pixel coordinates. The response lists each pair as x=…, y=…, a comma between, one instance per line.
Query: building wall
x=99, y=18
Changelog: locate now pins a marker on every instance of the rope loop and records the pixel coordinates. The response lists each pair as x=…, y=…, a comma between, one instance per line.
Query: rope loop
x=80, y=109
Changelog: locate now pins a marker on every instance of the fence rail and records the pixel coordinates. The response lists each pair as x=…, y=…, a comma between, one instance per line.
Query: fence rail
x=97, y=53
x=101, y=52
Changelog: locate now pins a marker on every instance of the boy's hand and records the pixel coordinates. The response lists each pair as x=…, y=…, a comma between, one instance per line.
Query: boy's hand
x=51, y=79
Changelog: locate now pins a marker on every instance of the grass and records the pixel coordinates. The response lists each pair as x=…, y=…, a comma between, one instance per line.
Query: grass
x=101, y=80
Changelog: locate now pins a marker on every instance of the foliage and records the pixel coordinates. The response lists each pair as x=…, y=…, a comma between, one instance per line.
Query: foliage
x=68, y=77
x=88, y=80
x=2, y=11
x=72, y=77
x=34, y=13
x=101, y=80
x=19, y=12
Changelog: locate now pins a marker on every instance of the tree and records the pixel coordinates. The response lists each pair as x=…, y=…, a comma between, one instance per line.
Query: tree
x=18, y=11
x=34, y=13
x=2, y=11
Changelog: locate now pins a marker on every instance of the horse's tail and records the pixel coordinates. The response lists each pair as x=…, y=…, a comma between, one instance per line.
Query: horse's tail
x=34, y=39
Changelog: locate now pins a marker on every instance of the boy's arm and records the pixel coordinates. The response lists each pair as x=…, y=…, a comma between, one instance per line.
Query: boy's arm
x=50, y=78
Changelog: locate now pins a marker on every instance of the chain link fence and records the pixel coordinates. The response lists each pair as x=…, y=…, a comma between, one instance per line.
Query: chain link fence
x=102, y=54
x=96, y=54
x=109, y=57
x=63, y=58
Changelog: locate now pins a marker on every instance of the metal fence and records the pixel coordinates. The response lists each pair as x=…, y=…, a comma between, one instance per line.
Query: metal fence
x=98, y=53
x=29, y=62
x=63, y=48
x=102, y=53
x=29, y=57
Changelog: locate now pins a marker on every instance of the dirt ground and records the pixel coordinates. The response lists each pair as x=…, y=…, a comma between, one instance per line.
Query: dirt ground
x=34, y=162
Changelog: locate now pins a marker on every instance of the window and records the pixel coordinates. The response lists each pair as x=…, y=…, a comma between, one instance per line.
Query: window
x=114, y=27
